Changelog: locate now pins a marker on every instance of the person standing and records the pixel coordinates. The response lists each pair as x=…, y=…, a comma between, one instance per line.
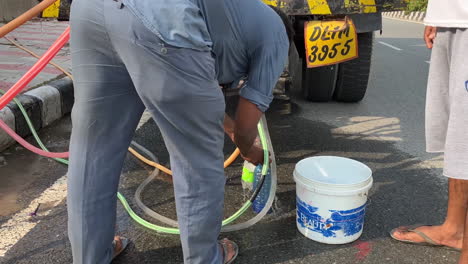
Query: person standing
x=168, y=57
x=446, y=33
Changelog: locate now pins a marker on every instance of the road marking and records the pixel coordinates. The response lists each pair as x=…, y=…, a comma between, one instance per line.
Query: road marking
x=428, y=62
x=20, y=224
x=390, y=46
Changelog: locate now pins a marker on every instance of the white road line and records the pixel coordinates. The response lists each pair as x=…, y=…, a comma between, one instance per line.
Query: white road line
x=20, y=224
x=428, y=62
x=390, y=46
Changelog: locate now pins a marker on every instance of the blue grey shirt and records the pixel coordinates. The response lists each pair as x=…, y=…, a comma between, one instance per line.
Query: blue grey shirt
x=177, y=22
x=247, y=37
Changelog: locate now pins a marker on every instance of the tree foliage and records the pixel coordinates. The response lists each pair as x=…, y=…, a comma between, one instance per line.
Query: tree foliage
x=416, y=5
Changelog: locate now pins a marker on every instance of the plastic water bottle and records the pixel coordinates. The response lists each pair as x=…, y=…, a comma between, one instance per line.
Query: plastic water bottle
x=262, y=197
x=248, y=176
x=248, y=171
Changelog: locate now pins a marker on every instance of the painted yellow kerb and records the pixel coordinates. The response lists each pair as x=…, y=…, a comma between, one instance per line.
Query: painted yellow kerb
x=52, y=11
x=319, y=7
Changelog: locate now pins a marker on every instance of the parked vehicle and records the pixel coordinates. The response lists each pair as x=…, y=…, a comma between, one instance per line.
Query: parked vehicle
x=334, y=40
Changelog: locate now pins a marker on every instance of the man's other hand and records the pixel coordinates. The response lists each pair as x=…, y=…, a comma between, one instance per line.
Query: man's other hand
x=429, y=36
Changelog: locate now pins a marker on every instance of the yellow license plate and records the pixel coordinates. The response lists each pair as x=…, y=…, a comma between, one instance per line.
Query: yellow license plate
x=330, y=42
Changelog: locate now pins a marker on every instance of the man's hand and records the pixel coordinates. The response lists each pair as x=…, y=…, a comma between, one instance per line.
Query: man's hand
x=229, y=127
x=429, y=36
x=254, y=155
x=243, y=130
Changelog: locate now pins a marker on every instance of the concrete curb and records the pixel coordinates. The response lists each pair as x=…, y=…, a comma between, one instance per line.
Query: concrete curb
x=44, y=105
x=412, y=16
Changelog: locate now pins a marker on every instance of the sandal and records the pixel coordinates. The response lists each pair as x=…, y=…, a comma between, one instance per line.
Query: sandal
x=224, y=244
x=119, y=247
x=427, y=240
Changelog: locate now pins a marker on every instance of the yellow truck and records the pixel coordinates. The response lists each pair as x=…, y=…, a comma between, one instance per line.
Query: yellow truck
x=334, y=40
x=60, y=10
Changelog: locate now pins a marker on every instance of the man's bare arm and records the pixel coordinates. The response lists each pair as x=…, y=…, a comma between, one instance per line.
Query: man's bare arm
x=243, y=130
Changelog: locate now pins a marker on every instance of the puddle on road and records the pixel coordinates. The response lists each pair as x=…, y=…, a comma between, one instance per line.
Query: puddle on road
x=26, y=175
x=19, y=172
x=8, y=202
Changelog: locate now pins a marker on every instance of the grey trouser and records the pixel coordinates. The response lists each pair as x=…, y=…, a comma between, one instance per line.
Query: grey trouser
x=447, y=101
x=121, y=68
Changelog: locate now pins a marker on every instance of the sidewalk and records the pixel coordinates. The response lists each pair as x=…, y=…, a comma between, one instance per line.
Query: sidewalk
x=37, y=36
x=49, y=96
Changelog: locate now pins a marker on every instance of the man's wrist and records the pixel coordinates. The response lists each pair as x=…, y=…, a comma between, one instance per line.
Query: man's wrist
x=245, y=152
x=244, y=143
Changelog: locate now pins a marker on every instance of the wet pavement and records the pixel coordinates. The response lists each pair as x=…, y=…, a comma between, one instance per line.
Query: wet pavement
x=385, y=131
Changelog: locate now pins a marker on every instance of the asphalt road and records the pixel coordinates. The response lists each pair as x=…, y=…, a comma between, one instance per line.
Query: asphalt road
x=385, y=131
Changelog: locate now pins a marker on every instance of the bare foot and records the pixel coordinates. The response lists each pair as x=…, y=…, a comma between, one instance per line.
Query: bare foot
x=439, y=234
x=231, y=250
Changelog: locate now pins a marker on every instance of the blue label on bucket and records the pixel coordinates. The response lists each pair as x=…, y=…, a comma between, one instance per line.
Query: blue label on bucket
x=349, y=221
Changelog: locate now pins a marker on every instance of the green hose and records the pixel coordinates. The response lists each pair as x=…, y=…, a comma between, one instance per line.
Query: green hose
x=33, y=131
x=122, y=199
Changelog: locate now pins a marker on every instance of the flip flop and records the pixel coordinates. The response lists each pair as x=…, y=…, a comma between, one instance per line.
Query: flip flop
x=124, y=243
x=427, y=240
x=224, y=243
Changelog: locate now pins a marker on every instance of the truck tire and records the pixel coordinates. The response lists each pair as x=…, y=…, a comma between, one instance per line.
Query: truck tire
x=318, y=83
x=353, y=75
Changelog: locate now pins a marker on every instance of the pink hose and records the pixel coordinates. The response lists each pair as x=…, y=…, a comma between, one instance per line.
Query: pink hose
x=32, y=148
x=36, y=69
x=19, y=86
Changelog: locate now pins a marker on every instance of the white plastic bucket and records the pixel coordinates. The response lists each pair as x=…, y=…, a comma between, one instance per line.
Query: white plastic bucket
x=331, y=196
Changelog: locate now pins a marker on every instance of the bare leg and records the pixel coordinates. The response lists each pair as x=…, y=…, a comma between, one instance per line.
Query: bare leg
x=464, y=255
x=450, y=233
